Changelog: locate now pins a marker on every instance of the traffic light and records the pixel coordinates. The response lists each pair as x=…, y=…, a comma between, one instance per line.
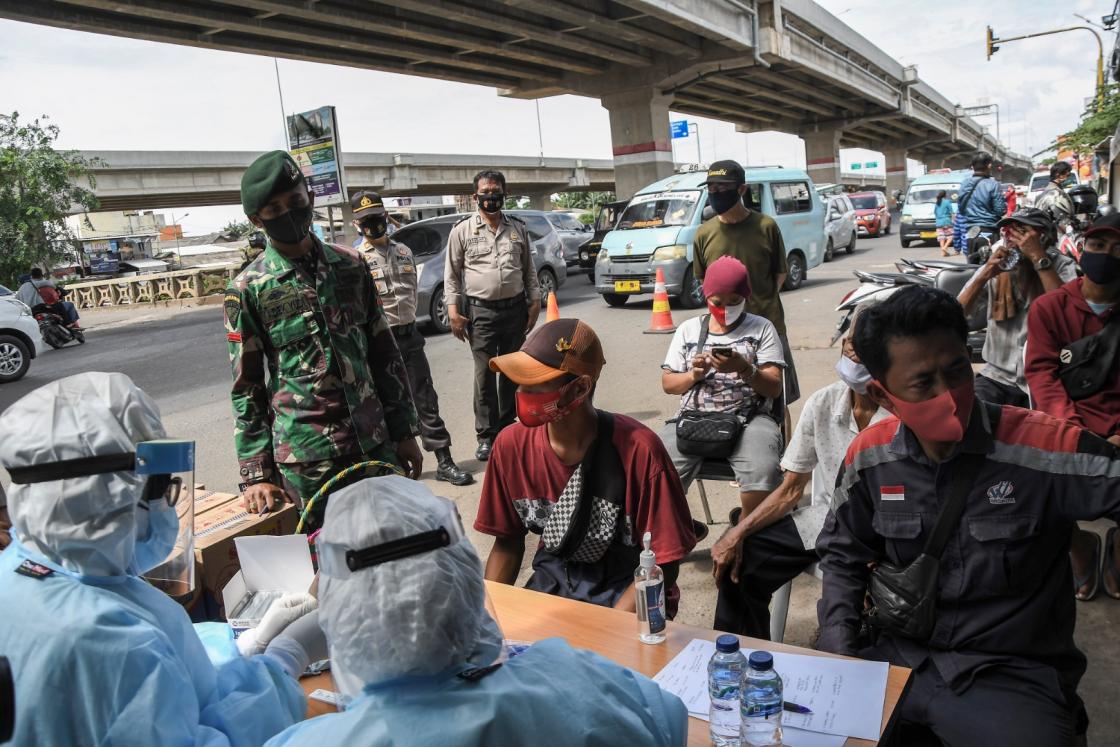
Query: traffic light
x=992, y=48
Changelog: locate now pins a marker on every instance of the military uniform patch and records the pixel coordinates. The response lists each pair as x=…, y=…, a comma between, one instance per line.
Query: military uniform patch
x=281, y=303
x=232, y=307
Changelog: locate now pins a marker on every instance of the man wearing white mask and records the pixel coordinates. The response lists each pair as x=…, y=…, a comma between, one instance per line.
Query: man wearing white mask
x=402, y=603
x=100, y=655
x=775, y=542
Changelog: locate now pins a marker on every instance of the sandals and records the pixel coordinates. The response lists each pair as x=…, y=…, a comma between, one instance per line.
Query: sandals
x=1093, y=577
x=1108, y=567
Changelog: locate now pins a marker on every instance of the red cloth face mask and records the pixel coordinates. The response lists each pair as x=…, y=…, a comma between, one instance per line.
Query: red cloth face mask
x=535, y=409
x=723, y=314
x=941, y=419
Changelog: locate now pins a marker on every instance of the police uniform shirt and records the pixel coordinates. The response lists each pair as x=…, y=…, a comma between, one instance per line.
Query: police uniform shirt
x=395, y=275
x=489, y=265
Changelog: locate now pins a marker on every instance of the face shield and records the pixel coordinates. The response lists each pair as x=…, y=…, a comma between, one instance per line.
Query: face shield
x=164, y=549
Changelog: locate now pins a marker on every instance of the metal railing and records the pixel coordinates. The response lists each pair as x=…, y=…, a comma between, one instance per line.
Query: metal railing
x=146, y=289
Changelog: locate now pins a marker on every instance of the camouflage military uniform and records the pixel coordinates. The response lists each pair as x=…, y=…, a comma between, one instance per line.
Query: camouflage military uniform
x=336, y=390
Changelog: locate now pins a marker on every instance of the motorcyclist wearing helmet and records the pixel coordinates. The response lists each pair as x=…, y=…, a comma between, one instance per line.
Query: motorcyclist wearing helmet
x=1054, y=199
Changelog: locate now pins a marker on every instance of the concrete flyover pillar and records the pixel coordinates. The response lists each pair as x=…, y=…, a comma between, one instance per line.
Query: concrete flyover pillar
x=640, y=138
x=822, y=155
x=540, y=201
x=897, y=180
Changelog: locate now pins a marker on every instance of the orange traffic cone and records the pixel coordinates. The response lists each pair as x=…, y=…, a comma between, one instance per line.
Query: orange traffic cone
x=553, y=312
x=662, y=321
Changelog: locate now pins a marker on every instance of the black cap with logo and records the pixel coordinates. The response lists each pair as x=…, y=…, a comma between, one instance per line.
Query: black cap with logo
x=367, y=203
x=726, y=172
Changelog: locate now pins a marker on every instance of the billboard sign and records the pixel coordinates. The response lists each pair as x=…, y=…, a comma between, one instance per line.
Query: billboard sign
x=313, y=143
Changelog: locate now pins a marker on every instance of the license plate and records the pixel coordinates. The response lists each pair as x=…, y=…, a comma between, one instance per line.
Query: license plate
x=627, y=286
x=928, y=234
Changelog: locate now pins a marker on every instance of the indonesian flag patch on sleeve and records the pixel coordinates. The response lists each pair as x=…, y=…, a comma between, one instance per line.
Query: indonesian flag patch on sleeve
x=233, y=336
x=892, y=493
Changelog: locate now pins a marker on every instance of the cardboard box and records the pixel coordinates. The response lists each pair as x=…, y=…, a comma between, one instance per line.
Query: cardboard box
x=269, y=566
x=216, y=526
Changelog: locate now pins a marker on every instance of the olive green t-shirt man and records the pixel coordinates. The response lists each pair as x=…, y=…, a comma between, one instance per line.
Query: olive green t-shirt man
x=756, y=241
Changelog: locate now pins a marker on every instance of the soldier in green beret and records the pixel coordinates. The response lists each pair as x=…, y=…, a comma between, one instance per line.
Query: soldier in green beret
x=318, y=380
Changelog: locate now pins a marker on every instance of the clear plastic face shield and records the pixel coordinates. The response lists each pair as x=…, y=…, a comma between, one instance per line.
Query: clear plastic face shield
x=164, y=553
x=169, y=467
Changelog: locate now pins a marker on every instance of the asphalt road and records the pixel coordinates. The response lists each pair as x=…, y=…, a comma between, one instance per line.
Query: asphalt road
x=180, y=359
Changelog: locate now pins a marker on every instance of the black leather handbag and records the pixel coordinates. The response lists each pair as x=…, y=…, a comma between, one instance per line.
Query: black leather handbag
x=712, y=435
x=1084, y=366
x=904, y=599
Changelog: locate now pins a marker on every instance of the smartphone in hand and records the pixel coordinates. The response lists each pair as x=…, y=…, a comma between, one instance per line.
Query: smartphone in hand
x=723, y=351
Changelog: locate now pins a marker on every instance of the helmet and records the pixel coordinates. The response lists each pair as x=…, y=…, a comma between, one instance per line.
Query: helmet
x=1084, y=199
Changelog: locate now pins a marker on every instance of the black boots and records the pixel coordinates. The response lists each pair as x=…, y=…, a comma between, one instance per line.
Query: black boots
x=448, y=471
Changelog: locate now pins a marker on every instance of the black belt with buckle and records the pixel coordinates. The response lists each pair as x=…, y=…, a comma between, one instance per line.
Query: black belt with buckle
x=505, y=303
x=404, y=330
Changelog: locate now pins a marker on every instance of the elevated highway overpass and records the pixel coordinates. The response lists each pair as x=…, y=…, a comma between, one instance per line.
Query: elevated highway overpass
x=785, y=65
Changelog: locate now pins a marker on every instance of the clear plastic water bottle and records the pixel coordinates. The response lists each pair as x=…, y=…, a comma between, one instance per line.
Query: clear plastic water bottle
x=761, y=703
x=725, y=675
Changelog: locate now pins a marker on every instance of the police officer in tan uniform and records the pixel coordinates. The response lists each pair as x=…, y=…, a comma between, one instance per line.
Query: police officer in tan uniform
x=394, y=274
x=493, y=300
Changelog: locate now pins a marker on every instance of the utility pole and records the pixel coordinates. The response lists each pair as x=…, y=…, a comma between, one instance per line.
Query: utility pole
x=696, y=132
x=991, y=41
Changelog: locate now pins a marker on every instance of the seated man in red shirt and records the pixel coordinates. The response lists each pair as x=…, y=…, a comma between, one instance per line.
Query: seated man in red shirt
x=564, y=455
x=1079, y=309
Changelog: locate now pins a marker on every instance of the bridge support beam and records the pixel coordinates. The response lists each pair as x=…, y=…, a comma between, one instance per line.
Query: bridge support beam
x=822, y=155
x=897, y=180
x=540, y=201
x=640, y=138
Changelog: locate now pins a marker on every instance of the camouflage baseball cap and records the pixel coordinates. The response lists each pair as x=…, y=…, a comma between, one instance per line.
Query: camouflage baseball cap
x=564, y=346
x=273, y=172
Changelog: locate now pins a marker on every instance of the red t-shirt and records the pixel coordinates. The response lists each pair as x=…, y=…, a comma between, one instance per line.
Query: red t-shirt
x=524, y=474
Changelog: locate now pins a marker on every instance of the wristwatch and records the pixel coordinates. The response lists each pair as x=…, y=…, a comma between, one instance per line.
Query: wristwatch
x=257, y=481
x=1044, y=264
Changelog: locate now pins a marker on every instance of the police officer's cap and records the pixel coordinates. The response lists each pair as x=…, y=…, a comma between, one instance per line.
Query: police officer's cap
x=273, y=172
x=367, y=203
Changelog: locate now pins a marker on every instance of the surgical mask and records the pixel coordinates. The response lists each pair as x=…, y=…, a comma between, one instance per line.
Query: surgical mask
x=721, y=202
x=940, y=420
x=491, y=203
x=374, y=228
x=726, y=314
x=290, y=228
x=1100, y=267
x=157, y=528
x=855, y=375
x=535, y=409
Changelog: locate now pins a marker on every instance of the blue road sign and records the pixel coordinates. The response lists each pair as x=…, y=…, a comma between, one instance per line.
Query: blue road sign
x=678, y=128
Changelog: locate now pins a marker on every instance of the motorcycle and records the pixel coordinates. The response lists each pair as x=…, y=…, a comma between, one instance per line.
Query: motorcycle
x=950, y=277
x=54, y=329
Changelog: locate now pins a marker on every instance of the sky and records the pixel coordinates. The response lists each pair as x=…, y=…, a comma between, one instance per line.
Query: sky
x=110, y=93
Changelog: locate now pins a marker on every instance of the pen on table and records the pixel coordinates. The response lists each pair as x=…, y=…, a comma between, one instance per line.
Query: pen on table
x=794, y=708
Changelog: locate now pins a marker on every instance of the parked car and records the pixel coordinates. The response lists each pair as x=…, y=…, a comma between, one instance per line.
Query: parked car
x=20, y=340
x=917, y=221
x=428, y=241
x=605, y=222
x=873, y=216
x=572, y=233
x=840, y=226
x=656, y=229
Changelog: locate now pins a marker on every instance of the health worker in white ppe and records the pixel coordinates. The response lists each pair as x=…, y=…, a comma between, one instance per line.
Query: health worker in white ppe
x=402, y=603
x=100, y=656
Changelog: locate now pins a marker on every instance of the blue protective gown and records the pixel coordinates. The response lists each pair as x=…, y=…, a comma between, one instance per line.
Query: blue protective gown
x=551, y=694
x=114, y=661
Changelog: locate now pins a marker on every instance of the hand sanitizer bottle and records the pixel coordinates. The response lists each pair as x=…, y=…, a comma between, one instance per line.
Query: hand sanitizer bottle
x=649, y=585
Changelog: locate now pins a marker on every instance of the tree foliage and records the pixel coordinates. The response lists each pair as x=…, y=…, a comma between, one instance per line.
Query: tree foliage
x=238, y=229
x=582, y=200
x=1096, y=124
x=39, y=187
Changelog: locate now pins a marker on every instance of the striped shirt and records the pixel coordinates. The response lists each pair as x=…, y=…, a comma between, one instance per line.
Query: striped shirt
x=1004, y=586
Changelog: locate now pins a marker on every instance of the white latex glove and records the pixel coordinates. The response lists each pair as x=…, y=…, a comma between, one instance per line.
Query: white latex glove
x=283, y=612
x=299, y=644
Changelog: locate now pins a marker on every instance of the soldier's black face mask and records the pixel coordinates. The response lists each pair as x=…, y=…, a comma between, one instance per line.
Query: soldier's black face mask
x=491, y=203
x=290, y=228
x=373, y=228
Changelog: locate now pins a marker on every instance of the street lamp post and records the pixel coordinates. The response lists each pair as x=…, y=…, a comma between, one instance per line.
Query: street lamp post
x=973, y=111
x=991, y=41
x=696, y=132
x=178, y=233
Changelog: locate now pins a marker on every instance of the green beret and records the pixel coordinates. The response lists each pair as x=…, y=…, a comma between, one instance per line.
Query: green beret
x=271, y=173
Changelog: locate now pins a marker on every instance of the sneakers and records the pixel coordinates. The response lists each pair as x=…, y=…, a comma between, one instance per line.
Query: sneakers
x=448, y=471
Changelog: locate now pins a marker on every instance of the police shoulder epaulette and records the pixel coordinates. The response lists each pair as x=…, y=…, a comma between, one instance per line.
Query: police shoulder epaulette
x=465, y=217
x=516, y=218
